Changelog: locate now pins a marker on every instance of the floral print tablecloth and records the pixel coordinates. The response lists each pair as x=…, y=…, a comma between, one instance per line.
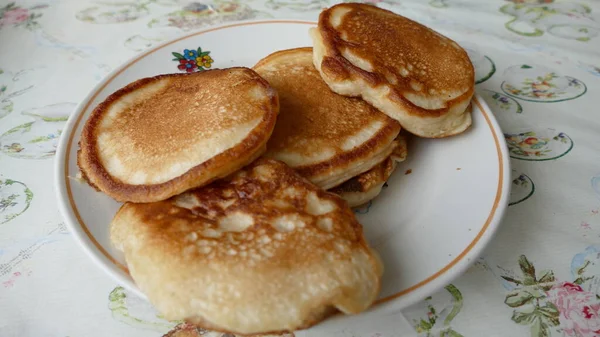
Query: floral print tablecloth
x=537, y=66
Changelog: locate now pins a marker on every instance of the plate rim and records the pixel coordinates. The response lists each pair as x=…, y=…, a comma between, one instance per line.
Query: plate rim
x=410, y=295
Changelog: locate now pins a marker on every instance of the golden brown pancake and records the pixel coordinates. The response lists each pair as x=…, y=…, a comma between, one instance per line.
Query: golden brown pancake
x=411, y=73
x=163, y=135
x=260, y=251
x=366, y=186
x=326, y=137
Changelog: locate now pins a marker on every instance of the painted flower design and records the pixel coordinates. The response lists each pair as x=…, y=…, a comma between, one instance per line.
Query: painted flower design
x=15, y=198
x=37, y=139
x=204, y=61
x=527, y=144
x=434, y=316
x=562, y=19
x=190, y=54
x=540, y=84
x=542, y=144
x=579, y=310
x=187, y=65
x=14, y=16
x=503, y=102
x=540, y=87
x=17, y=16
x=193, y=60
x=523, y=188
x=196, y=15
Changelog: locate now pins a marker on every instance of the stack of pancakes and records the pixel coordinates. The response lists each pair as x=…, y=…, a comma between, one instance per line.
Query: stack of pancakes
x=237, y=183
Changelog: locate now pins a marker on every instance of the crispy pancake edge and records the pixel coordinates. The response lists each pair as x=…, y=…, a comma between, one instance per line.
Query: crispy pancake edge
x=375, y=145
x=225, y=163
x=122, y=229
x=334, y=67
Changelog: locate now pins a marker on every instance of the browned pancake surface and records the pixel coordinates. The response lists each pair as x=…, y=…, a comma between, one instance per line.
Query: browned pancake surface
x=263, y=250
x=160, y=136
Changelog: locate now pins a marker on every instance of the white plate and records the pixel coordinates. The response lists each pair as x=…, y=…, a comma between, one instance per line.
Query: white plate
x=428, y=225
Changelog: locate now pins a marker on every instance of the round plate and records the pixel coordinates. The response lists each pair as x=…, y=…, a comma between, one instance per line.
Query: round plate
x=440, y=209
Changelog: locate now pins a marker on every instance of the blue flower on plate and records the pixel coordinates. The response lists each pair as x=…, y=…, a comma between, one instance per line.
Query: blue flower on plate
x=190, y=54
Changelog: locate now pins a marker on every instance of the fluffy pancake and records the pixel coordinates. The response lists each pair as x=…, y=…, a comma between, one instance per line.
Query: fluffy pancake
x=262, y=250
x=408, y=71
x=160, y=136
x=326, y=137
x=366, y=186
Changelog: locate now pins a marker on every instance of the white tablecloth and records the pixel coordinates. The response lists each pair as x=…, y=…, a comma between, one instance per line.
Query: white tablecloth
x=537, y=67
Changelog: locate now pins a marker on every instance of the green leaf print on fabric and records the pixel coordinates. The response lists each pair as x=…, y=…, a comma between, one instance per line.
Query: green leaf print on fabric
x=567, y=20
x=15, y=199
x=529, y=299
x=439, y=317
x=136, y=312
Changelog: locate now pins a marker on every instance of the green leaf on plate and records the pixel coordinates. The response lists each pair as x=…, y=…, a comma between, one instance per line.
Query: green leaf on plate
x=525, y=66
x=177, y=55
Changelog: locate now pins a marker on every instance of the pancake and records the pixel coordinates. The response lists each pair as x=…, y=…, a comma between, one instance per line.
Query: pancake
x=326, y=137
x=261, y=251
x=366, y=186
x=163, y=135
x=411, y=73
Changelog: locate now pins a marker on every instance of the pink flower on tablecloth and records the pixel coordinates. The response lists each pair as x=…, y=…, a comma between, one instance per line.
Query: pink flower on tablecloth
x=14, y=16
x=579, y=310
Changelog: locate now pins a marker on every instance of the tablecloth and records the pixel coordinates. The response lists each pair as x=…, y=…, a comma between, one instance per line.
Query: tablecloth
x=537, y=66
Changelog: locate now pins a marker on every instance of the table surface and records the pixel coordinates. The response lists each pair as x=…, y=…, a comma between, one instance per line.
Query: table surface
x=537, y=68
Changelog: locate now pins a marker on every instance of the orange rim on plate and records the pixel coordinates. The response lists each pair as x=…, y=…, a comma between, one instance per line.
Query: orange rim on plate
x=408, y=290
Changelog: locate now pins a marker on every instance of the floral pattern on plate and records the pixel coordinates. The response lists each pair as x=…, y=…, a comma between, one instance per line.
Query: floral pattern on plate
x=15, y=198
x=502, y=102
x=200, y=14
x=522, y=188
x=17, y=16
x=561, y=19
x=538, y=145
x=484, y=66
x=193, y=60
x=540, y=84
x=37, y=139
x=115, y=12
x=550, y=307
x=434, y=315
